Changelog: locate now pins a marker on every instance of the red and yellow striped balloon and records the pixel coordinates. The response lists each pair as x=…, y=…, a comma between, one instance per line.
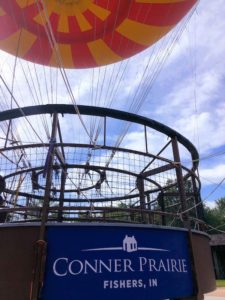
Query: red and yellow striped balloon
x=88, y=33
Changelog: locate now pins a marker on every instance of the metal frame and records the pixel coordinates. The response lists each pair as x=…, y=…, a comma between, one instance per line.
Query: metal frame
x=57, y=149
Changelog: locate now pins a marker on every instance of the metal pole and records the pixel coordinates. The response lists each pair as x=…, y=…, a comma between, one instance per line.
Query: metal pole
x=146, y=140
x=150, y=219
x=104, y=131
x=48, y=180
x=186, y=220
x=162, y=207
x=61, y=197
x=7, y=134
x=141, y=189
x=198, y=202
x=180, y=181
x=40, y=247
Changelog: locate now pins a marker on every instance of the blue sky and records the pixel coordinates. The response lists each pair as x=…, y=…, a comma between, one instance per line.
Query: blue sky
x=188, y=94
x=185, y=92
x=196, y=98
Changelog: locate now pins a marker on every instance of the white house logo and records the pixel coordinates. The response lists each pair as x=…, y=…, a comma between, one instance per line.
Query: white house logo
x=129, y=244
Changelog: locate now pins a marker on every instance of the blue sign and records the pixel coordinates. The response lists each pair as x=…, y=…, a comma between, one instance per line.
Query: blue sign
x=111, y=262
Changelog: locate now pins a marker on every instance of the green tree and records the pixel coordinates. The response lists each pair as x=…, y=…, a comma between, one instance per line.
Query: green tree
x=215, y=217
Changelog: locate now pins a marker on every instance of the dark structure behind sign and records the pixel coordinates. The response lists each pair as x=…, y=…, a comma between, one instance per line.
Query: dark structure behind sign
x=218, y=252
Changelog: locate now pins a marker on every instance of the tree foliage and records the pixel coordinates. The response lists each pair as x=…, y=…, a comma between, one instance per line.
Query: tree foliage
x=215, y=217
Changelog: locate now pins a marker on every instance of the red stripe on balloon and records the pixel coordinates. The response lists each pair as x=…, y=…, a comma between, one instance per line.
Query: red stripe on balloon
x=74, y=27
x=31, y=11
x=40, y=52
x=167, y=14
x=94, y=21
x=82, y=57
x=22, y=15
x=118, y=11
x=54, y=20
x=122, y=46
x=7, y=27
x=10, y=7
x=110, y=5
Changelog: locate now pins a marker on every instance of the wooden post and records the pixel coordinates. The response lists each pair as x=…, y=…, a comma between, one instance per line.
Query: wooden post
x=185, y=216
x=41, y=244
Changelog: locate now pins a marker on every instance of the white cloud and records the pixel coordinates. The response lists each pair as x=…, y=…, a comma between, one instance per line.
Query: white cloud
x=194, y=103
x=210, y=204
x=212, y=174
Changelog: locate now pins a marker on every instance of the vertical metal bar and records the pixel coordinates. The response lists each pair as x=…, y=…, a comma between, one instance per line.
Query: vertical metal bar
x=104, y=130
x=186, y=220
x=27, y=204
x=146, y=140
x=180, y=181
x=150, y=219
x=162, y=207
x=61, y=197
x=198, y=202
x=7, y=134
x=48, y=180
x=141, y=189
x=61, y=140
x=40, y=249
x=63, y=178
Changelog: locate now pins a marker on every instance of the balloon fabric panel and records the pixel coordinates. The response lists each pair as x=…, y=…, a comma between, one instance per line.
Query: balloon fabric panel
x=85, y=33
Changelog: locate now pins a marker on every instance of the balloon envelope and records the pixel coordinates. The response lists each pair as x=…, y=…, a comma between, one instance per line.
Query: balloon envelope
x=85, y=33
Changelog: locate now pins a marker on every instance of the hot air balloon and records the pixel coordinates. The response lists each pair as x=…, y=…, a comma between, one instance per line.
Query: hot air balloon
x=79, y=165
x=85, y=33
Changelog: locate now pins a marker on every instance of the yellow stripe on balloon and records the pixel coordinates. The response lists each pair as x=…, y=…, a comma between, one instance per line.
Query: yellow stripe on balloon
x=140, y=33
x=53, y=6
x=2, y=12
x=24, y=3
x=40, y=18
x=21, y=40
x=102, y=53
x=83, y=22
x=63, y=25
x=65, y=55
x=100, y=12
